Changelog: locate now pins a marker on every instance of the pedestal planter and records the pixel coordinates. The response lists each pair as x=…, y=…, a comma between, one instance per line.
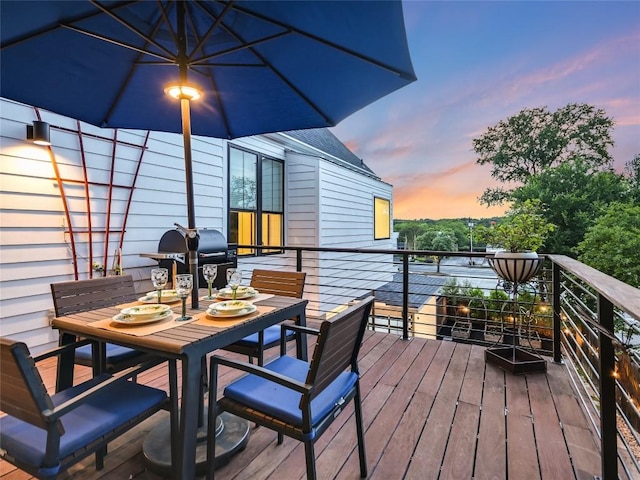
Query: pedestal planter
x=516, y=268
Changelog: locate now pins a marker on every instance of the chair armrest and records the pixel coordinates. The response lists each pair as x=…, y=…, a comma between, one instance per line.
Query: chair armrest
x=60, y=350
x=121, y=376
x=262, y=372
x=299, y=329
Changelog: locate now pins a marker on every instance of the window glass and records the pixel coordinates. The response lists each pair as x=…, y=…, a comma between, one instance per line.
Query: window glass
x=382, y=219
x=272, y=185
x=242, y=178
x=242, y=230
x=272, y=231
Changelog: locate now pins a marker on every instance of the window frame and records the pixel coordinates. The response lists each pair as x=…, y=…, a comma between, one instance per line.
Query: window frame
x=377, y=198
x=259, y=212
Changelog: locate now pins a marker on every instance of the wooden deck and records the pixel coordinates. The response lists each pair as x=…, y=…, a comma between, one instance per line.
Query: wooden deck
x=432, y=410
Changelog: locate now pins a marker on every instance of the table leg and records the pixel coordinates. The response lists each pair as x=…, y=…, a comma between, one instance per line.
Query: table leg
x=66, y=363
x=190, y=453
x=301, y=344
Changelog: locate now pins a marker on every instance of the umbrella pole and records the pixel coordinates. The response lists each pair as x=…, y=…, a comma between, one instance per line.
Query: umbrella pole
x=192, y=243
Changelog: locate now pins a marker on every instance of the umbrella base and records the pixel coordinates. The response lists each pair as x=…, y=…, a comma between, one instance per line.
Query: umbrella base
x=232, y=435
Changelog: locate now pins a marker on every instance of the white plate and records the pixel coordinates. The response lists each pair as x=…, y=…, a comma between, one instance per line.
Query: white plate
x=168, y=296
x=146, y=311
x=131, y=320
x=231, y=306
x=212, y=312
x=242, y=292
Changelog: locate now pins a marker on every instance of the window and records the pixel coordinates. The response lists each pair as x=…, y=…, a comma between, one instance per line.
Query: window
x=381, y=218
x=256, y=200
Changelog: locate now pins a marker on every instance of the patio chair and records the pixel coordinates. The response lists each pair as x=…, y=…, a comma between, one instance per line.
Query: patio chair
x=275, y=282
x=44, y=435
x=84, y=295
x=296, y=398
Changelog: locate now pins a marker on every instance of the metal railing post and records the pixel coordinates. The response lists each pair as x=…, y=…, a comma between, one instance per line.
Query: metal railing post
x=405, y=296
x=299, y=259
x=608, y=424
x=557, y=310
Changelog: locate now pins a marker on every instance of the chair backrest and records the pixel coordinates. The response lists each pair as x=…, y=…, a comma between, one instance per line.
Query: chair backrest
x=24, y=395
x=338, y=345
x=278, y=282
x=84, y=295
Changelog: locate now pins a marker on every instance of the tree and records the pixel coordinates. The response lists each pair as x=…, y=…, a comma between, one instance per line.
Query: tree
x=612, y=244
x=632, y=176
x=409, y=230
x=445, y=242
x=573, y=196
x=535, y=140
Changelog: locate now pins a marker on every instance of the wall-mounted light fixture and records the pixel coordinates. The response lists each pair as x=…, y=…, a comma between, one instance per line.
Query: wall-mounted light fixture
x=39, y=133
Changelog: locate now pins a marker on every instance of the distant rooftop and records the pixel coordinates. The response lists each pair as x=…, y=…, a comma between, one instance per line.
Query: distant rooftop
x=422, y=288
x=324, y=140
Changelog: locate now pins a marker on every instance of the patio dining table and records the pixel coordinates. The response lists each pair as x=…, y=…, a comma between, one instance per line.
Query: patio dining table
x=188, y=342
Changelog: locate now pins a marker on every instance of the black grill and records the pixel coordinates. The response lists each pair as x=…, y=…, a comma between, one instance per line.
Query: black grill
x=212, y=249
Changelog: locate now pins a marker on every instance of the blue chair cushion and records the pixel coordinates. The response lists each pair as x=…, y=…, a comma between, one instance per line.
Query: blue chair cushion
x=271, y=335
x=284, y=403
x=101, y=414
x=115, y=353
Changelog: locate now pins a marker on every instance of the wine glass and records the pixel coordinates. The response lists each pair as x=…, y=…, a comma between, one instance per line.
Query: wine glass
x=234, y=282
x=159, y=278
x=209, y=272
x=184, y=285
x=230, y=271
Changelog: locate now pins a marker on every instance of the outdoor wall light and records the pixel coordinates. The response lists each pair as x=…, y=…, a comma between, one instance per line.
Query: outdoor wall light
x=39, y=133
x=183, y=90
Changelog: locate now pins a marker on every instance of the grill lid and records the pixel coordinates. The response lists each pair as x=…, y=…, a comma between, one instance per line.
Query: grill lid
x=212, y=243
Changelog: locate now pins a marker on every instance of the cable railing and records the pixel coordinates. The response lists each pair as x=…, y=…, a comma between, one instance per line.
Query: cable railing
x=569, y=311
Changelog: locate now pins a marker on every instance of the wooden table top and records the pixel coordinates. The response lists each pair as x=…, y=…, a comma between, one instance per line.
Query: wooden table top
x=180, y=340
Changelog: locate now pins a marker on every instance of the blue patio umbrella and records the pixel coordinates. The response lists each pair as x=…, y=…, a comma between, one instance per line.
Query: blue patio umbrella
x=258, y=66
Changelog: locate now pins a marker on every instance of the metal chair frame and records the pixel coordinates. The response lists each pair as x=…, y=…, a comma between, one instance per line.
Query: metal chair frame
x=336, y=351
x=275, y=282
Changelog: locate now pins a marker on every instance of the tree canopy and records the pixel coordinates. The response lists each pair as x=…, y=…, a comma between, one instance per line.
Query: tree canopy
x=573, y=196
x=612, y=244
x=536, y=139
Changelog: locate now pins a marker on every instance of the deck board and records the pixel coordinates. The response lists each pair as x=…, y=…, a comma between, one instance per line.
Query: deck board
x=432, y=409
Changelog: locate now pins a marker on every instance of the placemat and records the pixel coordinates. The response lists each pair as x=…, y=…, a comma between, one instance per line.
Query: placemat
x=204, y=319
x=142, y=330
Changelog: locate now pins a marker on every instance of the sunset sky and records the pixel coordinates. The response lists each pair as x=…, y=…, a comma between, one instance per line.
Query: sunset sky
x=479, y=62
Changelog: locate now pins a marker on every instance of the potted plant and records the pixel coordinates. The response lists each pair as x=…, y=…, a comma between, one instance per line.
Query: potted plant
x=522, y=232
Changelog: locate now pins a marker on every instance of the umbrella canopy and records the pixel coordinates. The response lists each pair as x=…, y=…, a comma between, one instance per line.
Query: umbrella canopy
x=262, y=66
x=258, y=66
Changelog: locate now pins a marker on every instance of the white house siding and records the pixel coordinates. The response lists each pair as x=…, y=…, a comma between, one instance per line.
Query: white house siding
x=35, y=251
x=330, y=205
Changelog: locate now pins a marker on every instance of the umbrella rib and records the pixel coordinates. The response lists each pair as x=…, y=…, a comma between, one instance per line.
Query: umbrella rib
x=244, y=46
x=132, y=28
x=214, y=25
x=129, y=76
x=118, y=43
x=46, y=30
x=295, y=89
x=164, y=14
x=405, y=75
x=208, y=74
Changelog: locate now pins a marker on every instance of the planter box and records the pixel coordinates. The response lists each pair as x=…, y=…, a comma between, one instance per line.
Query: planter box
x=515, y=360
